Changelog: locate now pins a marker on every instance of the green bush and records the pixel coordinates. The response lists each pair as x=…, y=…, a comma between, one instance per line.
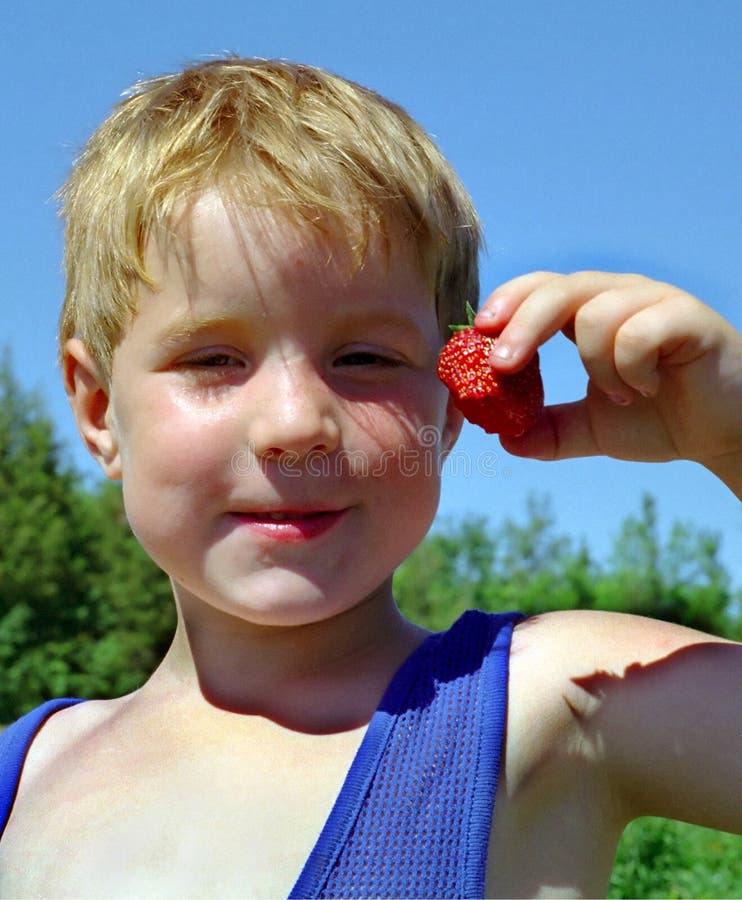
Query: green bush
x=662, y=858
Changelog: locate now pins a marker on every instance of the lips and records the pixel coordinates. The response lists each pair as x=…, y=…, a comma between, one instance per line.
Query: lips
x=290, y=525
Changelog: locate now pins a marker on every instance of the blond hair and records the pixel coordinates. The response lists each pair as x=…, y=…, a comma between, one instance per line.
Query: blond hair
x=273, y=133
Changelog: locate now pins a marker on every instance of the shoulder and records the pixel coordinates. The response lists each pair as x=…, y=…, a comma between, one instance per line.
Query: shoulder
x=63, y=732
x=569, y=670
x=646, y=712
x=574, y=643
x=553, y=655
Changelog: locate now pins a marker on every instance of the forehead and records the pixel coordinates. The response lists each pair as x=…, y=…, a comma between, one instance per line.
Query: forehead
x=212, y=238
x=220, y=257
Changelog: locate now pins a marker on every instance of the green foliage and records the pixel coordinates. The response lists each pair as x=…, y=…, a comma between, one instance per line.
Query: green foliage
x=682, y=581
x=660, y=858
x=530, y=567
x=83, y=611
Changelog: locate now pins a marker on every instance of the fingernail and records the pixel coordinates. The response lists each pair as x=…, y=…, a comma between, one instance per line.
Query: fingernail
x=491, y=312
x=501, y=351
x=619, y=399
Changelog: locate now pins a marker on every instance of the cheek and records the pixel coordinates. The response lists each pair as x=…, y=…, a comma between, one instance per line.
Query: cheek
x=173, y=466
x=405, y=452
x=174, y=442
x=412, y=419
x=406, y=490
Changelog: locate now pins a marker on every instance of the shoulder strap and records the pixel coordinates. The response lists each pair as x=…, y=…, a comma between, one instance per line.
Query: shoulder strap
x=15, y=742
x=413, y=816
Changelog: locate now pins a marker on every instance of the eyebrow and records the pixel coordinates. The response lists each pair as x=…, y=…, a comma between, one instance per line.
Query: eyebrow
x=391, y=321
x=184, y=330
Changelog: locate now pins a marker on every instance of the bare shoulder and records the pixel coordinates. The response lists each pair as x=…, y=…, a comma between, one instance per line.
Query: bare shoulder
x=562, y=664
x=644, y=705
x=65, y=731
x=610, y=639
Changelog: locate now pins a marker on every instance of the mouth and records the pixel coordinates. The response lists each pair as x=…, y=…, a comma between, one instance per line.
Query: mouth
x=290, y=524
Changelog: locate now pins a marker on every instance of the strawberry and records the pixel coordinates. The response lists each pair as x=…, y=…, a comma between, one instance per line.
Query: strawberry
x=501, y=404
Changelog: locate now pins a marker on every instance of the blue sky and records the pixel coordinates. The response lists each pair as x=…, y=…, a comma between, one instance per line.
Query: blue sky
x=590, y=133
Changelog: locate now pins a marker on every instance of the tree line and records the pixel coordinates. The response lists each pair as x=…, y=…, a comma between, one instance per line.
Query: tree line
x=529, y=566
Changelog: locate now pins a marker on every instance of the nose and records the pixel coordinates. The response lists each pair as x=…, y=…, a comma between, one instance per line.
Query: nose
x=294, y=412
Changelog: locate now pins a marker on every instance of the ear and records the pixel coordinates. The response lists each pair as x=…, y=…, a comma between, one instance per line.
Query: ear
x=89, y=396
x=454, y=422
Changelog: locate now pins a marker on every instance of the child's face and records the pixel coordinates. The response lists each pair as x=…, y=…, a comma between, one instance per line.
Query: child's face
x=277, y=416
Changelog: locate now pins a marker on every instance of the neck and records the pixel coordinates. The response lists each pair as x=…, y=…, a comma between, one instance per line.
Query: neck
x=324, y=677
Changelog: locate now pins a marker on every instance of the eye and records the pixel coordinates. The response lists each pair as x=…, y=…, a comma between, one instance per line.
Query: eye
x=367, y=358
x=212, y=360
x=212, y=368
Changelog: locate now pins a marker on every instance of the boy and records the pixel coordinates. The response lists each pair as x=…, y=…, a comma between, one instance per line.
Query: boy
x=262, y=263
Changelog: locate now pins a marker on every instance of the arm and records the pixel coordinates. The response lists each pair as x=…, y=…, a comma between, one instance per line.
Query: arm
x=665, y=371
x=649, y=712
x=611, y=716
x=673, y=734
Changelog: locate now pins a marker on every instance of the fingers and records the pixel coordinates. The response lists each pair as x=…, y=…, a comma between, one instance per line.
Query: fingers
x=610, y=336
x=590, y=427
x=663, y=368
x=501, y=305
x=562, y=432
x=674, y=330
x=531, y=308
x=627, y=340
x=623, y=325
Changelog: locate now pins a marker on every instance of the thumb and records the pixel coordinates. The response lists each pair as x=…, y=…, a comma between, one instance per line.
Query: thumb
x=562, y=432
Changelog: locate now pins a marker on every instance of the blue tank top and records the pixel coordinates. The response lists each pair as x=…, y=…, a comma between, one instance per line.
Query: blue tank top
x=413, y=816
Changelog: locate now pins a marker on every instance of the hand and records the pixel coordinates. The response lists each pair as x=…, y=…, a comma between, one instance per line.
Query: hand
x=665, y=371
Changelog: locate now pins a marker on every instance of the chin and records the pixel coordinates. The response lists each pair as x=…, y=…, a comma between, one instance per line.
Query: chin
x=273, y=606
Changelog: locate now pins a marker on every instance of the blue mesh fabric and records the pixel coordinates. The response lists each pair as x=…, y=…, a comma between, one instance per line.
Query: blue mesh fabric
x=414, y=815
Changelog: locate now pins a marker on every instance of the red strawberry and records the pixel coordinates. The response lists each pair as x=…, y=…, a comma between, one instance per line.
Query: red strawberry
x=501, y=404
